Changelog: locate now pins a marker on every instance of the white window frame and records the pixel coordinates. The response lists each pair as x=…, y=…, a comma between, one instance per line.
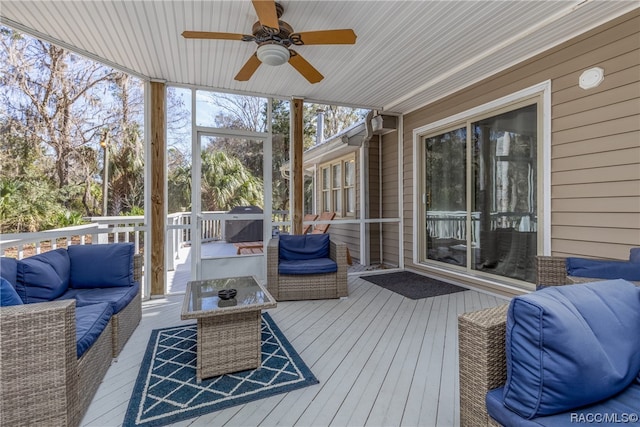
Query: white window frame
x=543, y=90
x=340, y=188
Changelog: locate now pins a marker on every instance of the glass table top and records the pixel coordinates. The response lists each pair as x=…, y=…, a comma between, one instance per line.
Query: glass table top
x=202, y=297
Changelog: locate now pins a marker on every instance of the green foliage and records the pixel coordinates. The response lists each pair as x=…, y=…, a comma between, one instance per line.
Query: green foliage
x=68, y=219
x=227, y=183
x=27, y=206
x=135, y=211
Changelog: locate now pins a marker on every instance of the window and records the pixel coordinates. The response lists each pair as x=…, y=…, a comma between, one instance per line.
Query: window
x=338, y=187
x=480, y=186
x=350, y=187
x=326, y=188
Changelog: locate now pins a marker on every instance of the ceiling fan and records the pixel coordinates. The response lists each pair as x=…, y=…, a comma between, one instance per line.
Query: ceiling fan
x=274, y=39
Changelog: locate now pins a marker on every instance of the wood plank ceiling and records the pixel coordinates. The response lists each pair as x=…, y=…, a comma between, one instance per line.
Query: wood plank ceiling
x=407, y=54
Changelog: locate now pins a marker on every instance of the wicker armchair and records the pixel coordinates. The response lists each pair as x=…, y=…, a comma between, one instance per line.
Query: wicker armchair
x=42, y=381
x=308, y=286
x=552, y=271
x=481, y=346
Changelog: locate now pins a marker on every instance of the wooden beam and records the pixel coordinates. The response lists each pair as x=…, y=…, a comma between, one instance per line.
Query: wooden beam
x=158, y=202
x=297, y=175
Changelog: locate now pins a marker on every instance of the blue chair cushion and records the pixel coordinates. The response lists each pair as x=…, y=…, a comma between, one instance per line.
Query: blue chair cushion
x=309, y=266
x=90, y=323
x=301, y=247
x=634, y=255
x=570, y=346
x=619, y=410
x=9, y=269
x=101, y=266
x=118, y=297
x=8, y=294
x=603, y=269
x=43, y=277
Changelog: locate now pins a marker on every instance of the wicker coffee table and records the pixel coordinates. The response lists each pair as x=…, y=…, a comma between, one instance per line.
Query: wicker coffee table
x=228, y=337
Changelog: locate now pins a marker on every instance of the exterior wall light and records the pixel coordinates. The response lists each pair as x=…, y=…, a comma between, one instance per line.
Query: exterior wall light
x=591, y=78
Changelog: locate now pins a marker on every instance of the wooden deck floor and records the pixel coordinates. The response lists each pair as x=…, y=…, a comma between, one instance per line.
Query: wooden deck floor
x=382, y=360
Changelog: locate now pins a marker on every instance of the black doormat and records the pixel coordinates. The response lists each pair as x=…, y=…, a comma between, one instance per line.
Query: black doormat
x=412, y=285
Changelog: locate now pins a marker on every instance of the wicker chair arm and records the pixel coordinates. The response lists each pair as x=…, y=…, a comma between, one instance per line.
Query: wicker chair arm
x=551, y=271
x=273, y=285
x=38, y=352
x=482, y=361
x=138, y=260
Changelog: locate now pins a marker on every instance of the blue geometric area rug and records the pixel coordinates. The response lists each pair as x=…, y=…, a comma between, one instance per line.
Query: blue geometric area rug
x=166, y=390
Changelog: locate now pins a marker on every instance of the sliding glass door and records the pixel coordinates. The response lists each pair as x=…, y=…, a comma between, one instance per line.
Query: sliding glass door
x=480, y=193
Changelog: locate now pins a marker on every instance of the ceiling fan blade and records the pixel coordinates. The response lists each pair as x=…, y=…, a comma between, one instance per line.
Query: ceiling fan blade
x=266, y=11
x=248, y=68
x=328, y=37
x=212, y=35
x=304, y=68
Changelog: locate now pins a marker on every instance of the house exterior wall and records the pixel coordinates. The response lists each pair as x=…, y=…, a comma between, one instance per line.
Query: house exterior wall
x=347, y=233
x=390, y=232
x=373, y=166
x=595, y=140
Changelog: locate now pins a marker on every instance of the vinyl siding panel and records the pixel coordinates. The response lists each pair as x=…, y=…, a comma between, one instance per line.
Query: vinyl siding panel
x=374, y=201
x=595, y=139
x=390, y=197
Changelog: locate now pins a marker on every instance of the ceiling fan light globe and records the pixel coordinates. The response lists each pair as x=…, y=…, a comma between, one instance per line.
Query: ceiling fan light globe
x=273, y=54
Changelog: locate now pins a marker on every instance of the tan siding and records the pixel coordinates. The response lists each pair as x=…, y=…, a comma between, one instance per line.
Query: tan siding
x=374, y=200
x=629, y=108
x=597, y=160
x=597, y=145
x=602, y=174
x=390, y=197
x=598, y=204
x=595, y=141
x=564, y=247
x=596, y=219
x=597, y=189
x=349, y=234
x=597, y=130
x=599, y=234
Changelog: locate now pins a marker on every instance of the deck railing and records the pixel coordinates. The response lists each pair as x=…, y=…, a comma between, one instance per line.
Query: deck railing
x=107, y=229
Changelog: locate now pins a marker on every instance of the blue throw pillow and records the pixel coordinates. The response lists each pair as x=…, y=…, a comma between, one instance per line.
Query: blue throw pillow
x=570, y=346
x=43, y=277
x=603, y=269
x=101, y=266
x=8, y=295
x=9, y=269
x=634, y=255
x=303, y=247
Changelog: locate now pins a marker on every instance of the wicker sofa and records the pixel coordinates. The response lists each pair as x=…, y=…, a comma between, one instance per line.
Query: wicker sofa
x=55, y=353
x=306, y=282
x=483, y=358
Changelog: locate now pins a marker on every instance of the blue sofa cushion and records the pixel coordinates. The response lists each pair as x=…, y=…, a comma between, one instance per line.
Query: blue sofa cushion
x=101, y=266
x=634, y=255
x=618, y=410
x=90, y=323
x=118, y=297
x=43, y=277
x=570, y=346
x=9, y=269
x=301, y=247
x=603, y=269
x=8, y=294
x=309, y=266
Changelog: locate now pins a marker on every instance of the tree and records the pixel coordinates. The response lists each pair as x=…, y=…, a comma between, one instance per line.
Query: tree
x=227, y=183
x=52, y=93
x=61, y=104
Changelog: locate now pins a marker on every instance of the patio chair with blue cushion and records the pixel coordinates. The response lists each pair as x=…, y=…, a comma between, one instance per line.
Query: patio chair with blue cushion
x=309, y=266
